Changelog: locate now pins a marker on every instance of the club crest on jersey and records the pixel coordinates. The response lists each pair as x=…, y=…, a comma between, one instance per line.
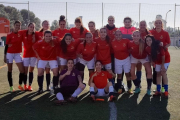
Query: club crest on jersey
x=58, y=33
x=124, y=45
x=161, y=37
x=73, y=74
x=102, y=74
x=93, y=49
x=115, y=46
x=25, y=37
x=72, y=47
x=131, y=47
x=19, y=35
x=84, y=49
x=74, y=32
x=43, y=47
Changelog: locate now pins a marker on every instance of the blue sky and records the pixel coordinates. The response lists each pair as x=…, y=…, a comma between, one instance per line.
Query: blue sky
x=92, y=10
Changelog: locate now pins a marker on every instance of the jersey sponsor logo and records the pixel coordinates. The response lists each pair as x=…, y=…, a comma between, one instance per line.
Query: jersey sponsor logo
x=43, y=47
x=102, y=74
x=72, y=47
x=124, y=45
x=19, y=35
x=25, y=37
x=73, y=74
x=161, y=37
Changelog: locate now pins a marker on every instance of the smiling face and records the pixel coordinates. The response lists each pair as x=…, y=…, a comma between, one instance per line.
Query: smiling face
x=45, y=25
x=98, y=66
x=118, y=35
x=103, y=33
x=70, y=64
x=148, y=41
x=17, y=26
x=68, y=40
x=89, y=38
x=127, y=23
x=136, y=36
x=158, y=24
x=78, y=25
x=142, y=26
x=48, y=37
x=62, y=25
x=111, y=21
x=31, y=28
x=91, y=26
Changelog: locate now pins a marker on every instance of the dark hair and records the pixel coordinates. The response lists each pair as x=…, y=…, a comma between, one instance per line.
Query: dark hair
x=41, y=30
x=28, y=26
x=62, y=19
x=92, y=22
x=70, y=60
x=85, y=40
x=17, y=21
x=98, y=61
x=155, y=47
x=107, y=37
x=79, y=20
x=47, y=31
x=63, y=43
x=127, y=18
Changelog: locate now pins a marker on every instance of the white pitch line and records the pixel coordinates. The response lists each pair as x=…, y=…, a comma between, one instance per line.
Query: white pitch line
x=113, y=111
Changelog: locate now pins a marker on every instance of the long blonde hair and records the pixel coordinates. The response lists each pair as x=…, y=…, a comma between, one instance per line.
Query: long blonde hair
x=141, y=43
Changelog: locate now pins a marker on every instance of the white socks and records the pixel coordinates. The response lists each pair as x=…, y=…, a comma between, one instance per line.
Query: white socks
x=111, y=89
x=91, y=89
x=59, y=96
x=77, y=92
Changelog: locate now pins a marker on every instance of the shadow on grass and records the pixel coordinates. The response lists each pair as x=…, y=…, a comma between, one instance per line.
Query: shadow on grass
x=30, y=106
x=148, y=108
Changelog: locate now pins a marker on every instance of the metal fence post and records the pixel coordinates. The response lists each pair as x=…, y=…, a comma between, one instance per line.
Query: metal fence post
x=102, y=14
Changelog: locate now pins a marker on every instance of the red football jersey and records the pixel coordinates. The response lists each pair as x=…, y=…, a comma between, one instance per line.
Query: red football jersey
x=134, y=49
x=111, y=33
x=28, y=42
x=46, y=51
x=88, y=51
x=101, y=80
x=159, y=55
x=120, y=48
x=14, y=40
x=71, y=50
x=60, y=33
x=103, y=51
x=76, y=33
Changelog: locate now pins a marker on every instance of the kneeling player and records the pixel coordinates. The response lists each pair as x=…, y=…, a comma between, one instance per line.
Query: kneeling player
x=99, y=85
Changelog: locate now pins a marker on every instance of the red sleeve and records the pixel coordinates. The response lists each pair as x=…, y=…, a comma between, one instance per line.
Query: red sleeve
x=53, y=33
x=79, y=49
x=71, y=31
x=8, y=39
x=110, y=76
x=168, y=39
x=36, y=45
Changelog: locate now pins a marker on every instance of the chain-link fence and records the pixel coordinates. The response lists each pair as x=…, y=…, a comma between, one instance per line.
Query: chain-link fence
x=98, y=12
